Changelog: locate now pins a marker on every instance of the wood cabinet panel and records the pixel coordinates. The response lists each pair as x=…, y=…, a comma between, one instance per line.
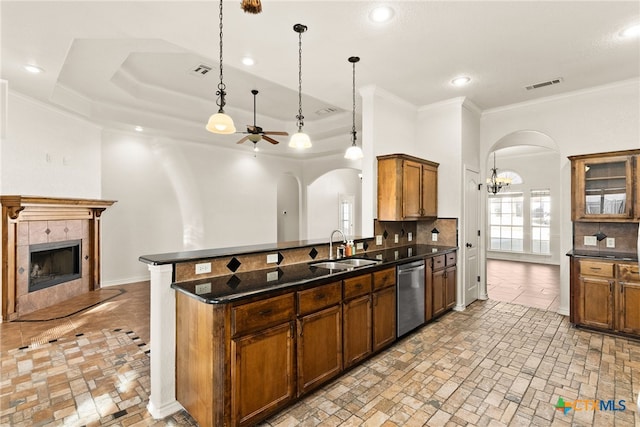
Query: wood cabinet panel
x=438, y=285
x=317, y=298
x=262, y=314
x=596, y=302
x=629, y=298
x=411, y=189
x=262, y=373
x=319, y=348
x=384, y=278
x=356, y=329
x=429, y=191
x=450, y=287
x=357, y=286
x=596, y=268
x=384, y=317
x=439, y=262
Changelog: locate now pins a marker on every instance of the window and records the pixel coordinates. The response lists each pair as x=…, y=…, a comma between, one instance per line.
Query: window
x=540, y=221
x=506, y=222
x=346, y=213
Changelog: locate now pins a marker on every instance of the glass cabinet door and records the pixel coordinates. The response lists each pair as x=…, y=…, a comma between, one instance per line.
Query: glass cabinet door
x=606, y=185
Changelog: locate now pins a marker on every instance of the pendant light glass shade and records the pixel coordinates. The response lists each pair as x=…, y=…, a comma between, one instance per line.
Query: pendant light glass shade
x=220, y=122
x=300, y=139
x=354, y=152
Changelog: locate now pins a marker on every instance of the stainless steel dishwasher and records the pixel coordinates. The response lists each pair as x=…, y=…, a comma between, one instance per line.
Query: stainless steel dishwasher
x=410, y=297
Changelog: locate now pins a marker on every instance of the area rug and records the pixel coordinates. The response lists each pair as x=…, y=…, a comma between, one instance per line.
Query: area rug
x=97, y=378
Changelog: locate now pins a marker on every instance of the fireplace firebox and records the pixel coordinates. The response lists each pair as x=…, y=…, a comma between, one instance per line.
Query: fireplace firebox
x=54, y=263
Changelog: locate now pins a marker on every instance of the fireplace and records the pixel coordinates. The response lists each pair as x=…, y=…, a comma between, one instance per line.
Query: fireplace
x=53, y=263
x=50, y=251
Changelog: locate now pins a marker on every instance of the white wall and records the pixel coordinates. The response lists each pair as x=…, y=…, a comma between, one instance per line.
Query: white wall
x=288, y=208
x=48, y=153
x=601, y=119
x=323, y=202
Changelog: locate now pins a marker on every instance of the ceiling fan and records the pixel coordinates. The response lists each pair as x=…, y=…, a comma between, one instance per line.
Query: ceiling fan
x=255, y=133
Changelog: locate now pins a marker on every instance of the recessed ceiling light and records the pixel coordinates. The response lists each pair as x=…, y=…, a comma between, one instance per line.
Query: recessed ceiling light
x=139, y=128
x=248, y=61
x=34, y=69
x=632, y=31
x=461, y=81
x=381, y=14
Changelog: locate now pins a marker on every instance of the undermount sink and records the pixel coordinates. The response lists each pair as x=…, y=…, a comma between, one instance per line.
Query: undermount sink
x=344, y=264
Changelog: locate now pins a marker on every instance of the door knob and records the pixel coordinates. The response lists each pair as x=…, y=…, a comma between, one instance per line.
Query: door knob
x=469, y=245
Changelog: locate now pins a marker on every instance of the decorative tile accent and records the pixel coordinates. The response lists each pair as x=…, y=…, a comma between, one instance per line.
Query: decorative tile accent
x=47, y=231
x=234, y=264
x=402, y=232
x=385, y=234
x=280, y=258
x=313, y=253
x=365, y=245
x=600, y=236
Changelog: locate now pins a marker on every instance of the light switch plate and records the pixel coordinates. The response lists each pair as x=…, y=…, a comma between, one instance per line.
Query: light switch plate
x=396, y=238
x=272, y=258
x=378, y=240
x=434, y=237
x=590, y=241
x=611, y=242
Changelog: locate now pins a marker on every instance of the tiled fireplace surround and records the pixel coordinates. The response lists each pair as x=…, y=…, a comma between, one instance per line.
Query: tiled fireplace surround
x=35, y=220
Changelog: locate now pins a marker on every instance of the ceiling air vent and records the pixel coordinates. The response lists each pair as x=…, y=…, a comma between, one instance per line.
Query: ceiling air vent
x=325, y=111
x=543, y=84
x=200, y=70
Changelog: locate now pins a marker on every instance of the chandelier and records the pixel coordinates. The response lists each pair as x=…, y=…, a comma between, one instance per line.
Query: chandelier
x=494, y=183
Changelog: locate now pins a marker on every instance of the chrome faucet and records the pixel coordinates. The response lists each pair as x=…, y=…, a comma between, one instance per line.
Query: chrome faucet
x=344, y=240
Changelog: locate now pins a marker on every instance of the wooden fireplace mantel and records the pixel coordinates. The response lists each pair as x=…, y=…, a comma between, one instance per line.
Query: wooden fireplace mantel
x=31, y=219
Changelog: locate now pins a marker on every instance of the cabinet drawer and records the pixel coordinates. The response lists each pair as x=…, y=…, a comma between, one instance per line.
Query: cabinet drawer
x=596, y=268
x=357, y=286
x=438, y=262
x=317, y=298
x=628, y=273
x=451, y=258
x=262, y=314
x=384, y=278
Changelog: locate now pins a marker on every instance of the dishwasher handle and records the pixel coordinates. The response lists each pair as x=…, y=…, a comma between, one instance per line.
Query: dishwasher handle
x=410, y=267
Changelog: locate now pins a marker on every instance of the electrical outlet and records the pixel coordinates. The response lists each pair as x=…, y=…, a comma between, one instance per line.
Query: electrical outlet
x=360, y=246
x=434, y=237
x=396, y=238
x=272, y=258
x=590, y=241
x=203, y=267
x=409, y=236
x=378, y=240
x=611, y=242
x=410, y=252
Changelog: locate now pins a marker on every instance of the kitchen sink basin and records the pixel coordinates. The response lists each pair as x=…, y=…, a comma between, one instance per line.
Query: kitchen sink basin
x=344, y=264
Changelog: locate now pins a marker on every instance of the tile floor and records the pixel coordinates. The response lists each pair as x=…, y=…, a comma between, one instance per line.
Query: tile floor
x=533, y=285
x=494, y=364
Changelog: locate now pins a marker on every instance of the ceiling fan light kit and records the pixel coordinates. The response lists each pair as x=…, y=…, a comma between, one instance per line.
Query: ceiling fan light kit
x=255, y=132
x=300, y=139
x=220, y=122
x=354, y=152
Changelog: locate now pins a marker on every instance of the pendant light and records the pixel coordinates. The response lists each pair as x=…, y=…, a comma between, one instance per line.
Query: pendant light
x=220, y=122
x=300, y=139
x=494, y=183
x=354, y=152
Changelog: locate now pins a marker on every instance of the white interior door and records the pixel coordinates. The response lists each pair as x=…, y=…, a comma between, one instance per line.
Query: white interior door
x=471, y=231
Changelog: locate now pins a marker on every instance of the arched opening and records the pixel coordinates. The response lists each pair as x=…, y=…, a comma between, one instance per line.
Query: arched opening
x=523, y=222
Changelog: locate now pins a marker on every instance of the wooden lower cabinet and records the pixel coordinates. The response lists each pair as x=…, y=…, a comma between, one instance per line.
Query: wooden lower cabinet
x=605, y=295
x=438, y=286
x=357, y=329
x=262, y=373
x=384, y=317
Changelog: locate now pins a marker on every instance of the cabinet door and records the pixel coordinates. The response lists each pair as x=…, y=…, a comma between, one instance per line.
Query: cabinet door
x=596, y=302
x=429, y=191
x=412, y=189
x=356, y=329
x=629, y=307
x=450, y=287
x=262, y=373
x=384, y=317
x=438, y=292
x=602, y=188
x=319, y=348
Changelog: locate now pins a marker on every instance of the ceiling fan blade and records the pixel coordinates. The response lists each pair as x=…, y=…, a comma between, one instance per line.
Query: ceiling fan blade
x=272, y=132
x=271, y=140
x=242, y=140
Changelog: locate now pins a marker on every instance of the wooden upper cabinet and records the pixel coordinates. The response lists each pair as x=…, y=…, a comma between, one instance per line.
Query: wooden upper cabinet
x=407, y=188
x=604, y=186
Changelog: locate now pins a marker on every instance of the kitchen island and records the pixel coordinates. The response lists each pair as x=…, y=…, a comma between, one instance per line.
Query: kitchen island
x=248, y=343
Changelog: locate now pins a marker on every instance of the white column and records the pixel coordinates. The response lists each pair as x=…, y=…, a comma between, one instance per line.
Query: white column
x=162, y=399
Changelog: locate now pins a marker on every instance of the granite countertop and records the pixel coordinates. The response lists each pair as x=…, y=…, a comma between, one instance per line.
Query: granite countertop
x=613, y=256
x=235, y=287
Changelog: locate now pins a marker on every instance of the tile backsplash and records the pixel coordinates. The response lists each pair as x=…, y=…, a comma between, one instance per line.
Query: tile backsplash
x=625, y=235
